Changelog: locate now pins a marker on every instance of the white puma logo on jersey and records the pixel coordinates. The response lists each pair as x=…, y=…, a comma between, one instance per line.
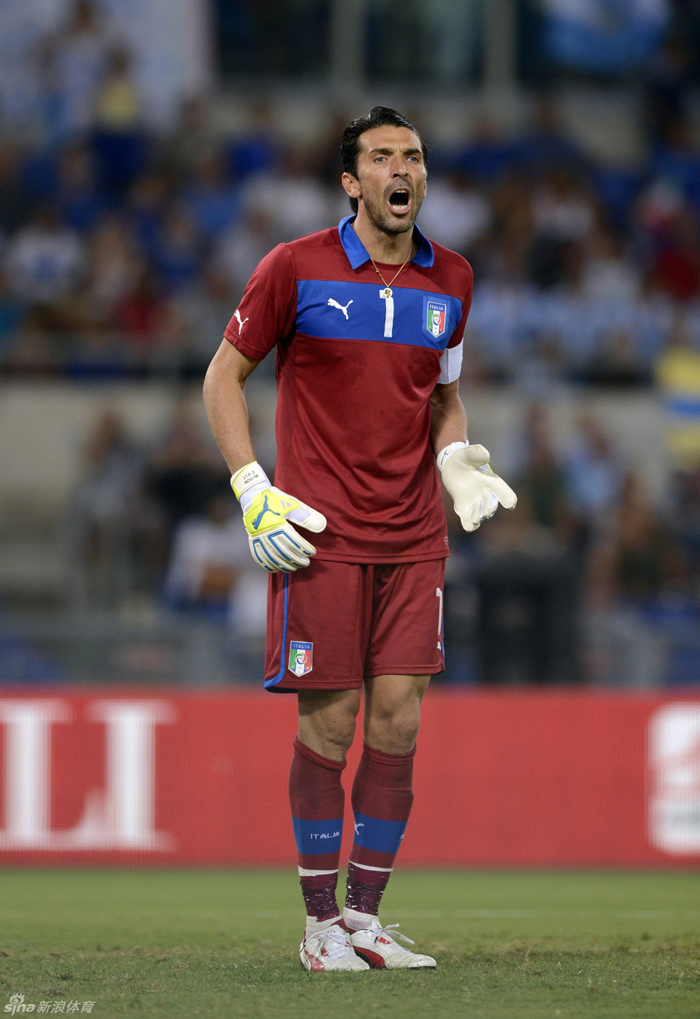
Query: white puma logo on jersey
x=240, y=324
x=334, y=304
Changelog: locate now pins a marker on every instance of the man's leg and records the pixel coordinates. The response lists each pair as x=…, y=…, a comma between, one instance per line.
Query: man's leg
x=326, y=730
x=382, y=797
x=382, y=794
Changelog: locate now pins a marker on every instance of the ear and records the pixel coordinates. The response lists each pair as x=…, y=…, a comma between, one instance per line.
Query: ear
x=351, y=185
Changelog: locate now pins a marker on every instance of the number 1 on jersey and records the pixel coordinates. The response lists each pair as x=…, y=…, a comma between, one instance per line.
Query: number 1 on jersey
x=386, y=295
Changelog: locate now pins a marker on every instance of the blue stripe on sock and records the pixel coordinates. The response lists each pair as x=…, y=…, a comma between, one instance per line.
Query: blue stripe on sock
x=317, y=837
x=383, y=836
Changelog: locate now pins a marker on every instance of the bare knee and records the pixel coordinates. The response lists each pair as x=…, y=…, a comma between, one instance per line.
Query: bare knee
x=395, y=732
x=327, y=721
x=392, y=712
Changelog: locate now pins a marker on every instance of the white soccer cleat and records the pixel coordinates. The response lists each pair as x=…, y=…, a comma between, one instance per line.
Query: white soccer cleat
x=381, y=950
x=330, y=951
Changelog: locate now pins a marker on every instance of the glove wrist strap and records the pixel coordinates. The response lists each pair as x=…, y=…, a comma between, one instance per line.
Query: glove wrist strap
x=444, y=454
x=250, y=477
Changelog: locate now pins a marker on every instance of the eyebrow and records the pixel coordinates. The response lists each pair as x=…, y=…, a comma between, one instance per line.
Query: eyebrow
x=389, y=151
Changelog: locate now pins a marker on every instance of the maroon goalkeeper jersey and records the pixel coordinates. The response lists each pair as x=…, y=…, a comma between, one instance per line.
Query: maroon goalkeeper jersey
x=355, y=370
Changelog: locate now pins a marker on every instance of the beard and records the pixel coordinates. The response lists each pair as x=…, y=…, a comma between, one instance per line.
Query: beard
x=384, y=220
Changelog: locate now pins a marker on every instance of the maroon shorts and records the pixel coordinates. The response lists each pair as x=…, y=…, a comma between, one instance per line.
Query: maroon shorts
x=333, y=625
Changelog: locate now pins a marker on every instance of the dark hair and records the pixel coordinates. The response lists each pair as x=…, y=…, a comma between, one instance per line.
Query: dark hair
x=379, y=116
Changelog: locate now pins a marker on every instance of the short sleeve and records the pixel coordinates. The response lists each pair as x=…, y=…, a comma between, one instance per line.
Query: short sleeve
x=267, y=310
x=458, y=334
x=451, y=357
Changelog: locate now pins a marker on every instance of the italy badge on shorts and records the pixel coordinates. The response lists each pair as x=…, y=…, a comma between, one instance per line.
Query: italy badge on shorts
x=436, y=318
x=301, y=657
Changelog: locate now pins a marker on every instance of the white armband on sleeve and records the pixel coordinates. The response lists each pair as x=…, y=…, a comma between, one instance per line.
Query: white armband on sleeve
x=451, y=364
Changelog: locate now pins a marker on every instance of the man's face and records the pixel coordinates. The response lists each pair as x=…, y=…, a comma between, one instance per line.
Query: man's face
x=391, y=178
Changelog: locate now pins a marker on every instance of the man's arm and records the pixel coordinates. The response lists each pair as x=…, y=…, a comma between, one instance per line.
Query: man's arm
x=448, y=419
x=465, y=470
x=267, y=512
x=224, y=399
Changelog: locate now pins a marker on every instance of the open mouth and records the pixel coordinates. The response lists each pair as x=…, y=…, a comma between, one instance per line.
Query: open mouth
x=399, y=200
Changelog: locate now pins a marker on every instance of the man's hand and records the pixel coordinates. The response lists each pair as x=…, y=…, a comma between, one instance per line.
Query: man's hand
x=476, y=490
x=274, y=543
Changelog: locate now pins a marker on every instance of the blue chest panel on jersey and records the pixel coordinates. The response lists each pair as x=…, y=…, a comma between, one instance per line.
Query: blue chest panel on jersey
x=356, y=311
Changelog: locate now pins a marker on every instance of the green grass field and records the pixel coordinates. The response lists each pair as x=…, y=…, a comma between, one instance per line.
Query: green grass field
x=224, y=944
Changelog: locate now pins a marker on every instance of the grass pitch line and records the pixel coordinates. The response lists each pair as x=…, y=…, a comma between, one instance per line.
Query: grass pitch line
x=224, y=944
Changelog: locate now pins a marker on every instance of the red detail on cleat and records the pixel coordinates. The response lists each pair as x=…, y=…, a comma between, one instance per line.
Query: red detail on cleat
x=371, y=958
x=316, y=964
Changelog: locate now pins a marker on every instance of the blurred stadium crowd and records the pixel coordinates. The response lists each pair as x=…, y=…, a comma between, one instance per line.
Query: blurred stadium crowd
x=123, y=253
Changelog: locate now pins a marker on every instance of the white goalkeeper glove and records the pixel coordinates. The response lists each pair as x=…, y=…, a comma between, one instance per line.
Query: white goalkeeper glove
x=468, y=478
x=274, y=543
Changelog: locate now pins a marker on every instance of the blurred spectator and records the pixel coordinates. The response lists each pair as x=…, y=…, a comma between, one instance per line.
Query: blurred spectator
x=546, y=145
x=45, y=260
x=645, y=561
x=118, y=139
x=76, y=193
x=527, y=601
x=203, y=311
x=15, y=196
x=74, y=61
x=208, y=551
x=144, y=207
x=328, y=161
x=210, y=197
x=607, y=273
x=686, y=523
x=193, y=134
x=30, y=348
x=539, y=476
x=184, y=471
x=486, y=155
x=117, y=103
x=256, y=150
x=594, y=474
x=665, y=85
x=455, y=212
x=242, y=247
x=563, y=215
x=102, y=512
x=143, y=314
x=293, y=199
x=211, y=571
x=676, y=266
x=11, y=311
x=114, y=264
x=677, y=163
x=179, y=248
x=561, y=209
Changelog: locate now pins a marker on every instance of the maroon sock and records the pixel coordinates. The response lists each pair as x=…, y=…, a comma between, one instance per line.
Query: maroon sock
x=318, y=800
x=382, y=797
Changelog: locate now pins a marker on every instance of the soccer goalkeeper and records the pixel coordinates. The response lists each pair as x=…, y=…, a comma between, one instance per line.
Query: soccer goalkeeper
x=368, y=320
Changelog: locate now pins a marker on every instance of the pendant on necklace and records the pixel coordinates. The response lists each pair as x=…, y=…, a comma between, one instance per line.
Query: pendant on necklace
x=387, y=292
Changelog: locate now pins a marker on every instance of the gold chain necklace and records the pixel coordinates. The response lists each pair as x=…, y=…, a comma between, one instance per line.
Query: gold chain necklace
x=387, y=286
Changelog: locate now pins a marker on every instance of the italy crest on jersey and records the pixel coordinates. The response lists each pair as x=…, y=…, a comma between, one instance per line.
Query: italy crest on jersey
x=301, y=657
x=436, y=322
